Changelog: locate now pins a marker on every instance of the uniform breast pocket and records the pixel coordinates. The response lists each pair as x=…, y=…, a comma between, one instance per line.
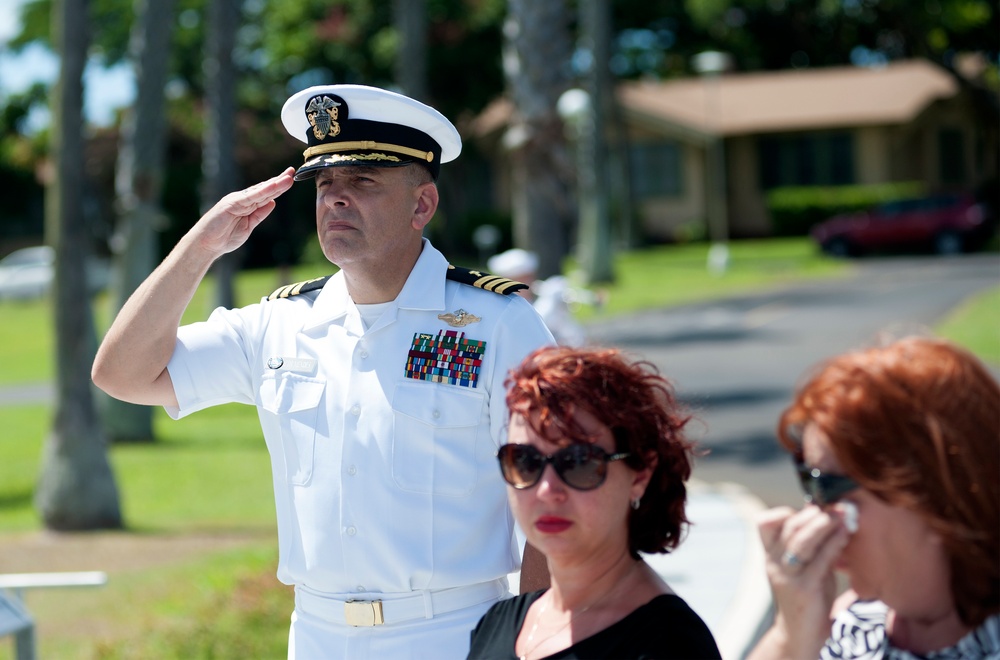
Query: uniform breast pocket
x=296, y=403
x=434, y=437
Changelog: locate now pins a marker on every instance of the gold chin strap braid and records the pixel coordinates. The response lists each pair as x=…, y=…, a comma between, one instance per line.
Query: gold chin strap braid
x=367, y=145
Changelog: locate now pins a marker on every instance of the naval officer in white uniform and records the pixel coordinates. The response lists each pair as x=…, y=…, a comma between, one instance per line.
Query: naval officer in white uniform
x=379, y=389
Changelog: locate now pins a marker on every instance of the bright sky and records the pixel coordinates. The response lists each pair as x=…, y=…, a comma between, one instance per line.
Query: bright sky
x=105, y=90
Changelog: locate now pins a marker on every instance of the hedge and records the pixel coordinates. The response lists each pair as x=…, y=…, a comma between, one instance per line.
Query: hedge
x=795, y=209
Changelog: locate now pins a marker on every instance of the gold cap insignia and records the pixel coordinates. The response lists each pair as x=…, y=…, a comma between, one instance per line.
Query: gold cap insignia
x=459, y=318
x=322, y=112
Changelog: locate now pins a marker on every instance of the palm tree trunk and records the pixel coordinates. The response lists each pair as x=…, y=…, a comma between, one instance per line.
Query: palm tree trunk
x=594, y=245
x=139, y=184
x=410, y=18
x=76, y=488
x=218, y=169
x=536, y=57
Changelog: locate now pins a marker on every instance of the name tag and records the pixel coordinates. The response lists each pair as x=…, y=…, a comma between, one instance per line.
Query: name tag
x=305, y=365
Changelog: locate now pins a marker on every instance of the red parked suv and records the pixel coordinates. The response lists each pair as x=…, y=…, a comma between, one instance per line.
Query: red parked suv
x=947, y=224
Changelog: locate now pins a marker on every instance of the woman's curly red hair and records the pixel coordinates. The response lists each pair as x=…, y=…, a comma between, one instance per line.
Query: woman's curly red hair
x=638, y=406
x=917, y=423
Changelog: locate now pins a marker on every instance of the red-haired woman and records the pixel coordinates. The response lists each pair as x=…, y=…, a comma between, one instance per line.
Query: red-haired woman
x=596, y=464
x=898, y=450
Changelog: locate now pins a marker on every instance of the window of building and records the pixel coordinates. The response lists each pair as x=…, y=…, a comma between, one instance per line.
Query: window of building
x=951, y=154
x=814, y=159
x=656, y=169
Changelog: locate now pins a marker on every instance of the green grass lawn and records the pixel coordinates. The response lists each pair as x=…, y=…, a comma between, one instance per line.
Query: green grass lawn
x=224, y=605
x=207, y=471
x=26, y=342
x=211, y=471
x=670, y=275
x=975, y=324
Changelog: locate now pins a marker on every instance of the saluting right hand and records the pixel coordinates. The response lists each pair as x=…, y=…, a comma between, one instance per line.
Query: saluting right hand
x=131, y=363
x=228, y=224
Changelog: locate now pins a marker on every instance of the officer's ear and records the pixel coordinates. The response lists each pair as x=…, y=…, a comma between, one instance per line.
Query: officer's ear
x=425, y=205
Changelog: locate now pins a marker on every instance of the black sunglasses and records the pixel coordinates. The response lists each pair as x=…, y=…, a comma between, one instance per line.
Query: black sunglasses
x=581, y=466
x=823, y=489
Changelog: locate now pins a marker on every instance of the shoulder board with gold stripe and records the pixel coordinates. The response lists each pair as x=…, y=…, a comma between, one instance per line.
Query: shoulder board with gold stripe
x=299, y=287
x=482, y=280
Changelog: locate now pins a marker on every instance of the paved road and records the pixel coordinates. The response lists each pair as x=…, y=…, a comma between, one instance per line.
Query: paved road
x=737, y=361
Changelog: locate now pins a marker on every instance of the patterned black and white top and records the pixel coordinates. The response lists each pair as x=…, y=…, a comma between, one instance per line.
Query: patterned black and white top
x=859, y=634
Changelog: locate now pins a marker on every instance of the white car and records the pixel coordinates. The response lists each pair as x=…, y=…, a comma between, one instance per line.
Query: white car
x=28, y=273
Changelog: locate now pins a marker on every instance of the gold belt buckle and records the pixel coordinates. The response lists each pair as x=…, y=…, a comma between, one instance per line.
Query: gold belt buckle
x=363, y=613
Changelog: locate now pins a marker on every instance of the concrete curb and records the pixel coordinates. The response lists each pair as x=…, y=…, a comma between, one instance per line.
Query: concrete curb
x=752, y=609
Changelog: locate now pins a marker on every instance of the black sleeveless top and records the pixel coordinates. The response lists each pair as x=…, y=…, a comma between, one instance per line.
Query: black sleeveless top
x=665, y=627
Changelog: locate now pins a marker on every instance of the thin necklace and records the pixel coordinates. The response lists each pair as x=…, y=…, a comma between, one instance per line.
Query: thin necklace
x=572, y=617
x=534, y=627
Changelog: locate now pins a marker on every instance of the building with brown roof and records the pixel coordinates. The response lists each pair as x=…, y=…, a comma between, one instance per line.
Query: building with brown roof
x=908, y=121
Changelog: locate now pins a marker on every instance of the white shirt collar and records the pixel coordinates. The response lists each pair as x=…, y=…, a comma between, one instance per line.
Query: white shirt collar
x=424, y=289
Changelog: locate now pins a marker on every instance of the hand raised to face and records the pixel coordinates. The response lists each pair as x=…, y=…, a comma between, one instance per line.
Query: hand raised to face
x=228, y=224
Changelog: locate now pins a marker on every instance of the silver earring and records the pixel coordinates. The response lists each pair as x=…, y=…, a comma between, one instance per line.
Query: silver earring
x=635, y=503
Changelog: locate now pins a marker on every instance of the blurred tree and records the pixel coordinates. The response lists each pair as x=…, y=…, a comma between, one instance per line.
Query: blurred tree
x=76, y=489
x=356, y=41
x=314, y=41
x=410, y=20
x=22, y=214
x=218, y=161
x=594, y=247
x=536, y=64
x=139, y=187
x=770, y=34
x=112, y=22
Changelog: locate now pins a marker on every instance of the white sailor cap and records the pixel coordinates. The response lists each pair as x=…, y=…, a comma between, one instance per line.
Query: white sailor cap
x=360, y=125
x=512, y=263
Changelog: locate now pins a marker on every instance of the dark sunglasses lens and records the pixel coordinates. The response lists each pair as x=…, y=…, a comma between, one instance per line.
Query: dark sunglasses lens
x=824, y=489
x=805, y=480
x=521, y=465
x=832, y=487
x=580, y=466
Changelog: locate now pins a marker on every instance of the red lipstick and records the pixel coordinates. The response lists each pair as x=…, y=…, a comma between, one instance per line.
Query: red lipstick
x=552, y=524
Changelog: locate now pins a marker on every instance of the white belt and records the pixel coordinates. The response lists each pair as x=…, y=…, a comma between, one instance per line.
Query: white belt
x=396, y=609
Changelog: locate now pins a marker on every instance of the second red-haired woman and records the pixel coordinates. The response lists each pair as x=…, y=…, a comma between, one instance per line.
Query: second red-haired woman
x=898, y=451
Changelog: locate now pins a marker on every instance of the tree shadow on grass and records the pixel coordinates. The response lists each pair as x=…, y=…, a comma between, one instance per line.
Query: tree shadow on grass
x=16, y=499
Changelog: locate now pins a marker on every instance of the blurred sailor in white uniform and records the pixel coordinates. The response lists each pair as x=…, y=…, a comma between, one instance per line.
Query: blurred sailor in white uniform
x=550, y=297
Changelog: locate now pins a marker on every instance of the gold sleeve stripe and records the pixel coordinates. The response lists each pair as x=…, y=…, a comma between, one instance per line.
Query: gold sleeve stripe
x=495, y=283
x=296, y=288
x=281, y=292
x=368, y=145
x=509, y=285
x=484, y=282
